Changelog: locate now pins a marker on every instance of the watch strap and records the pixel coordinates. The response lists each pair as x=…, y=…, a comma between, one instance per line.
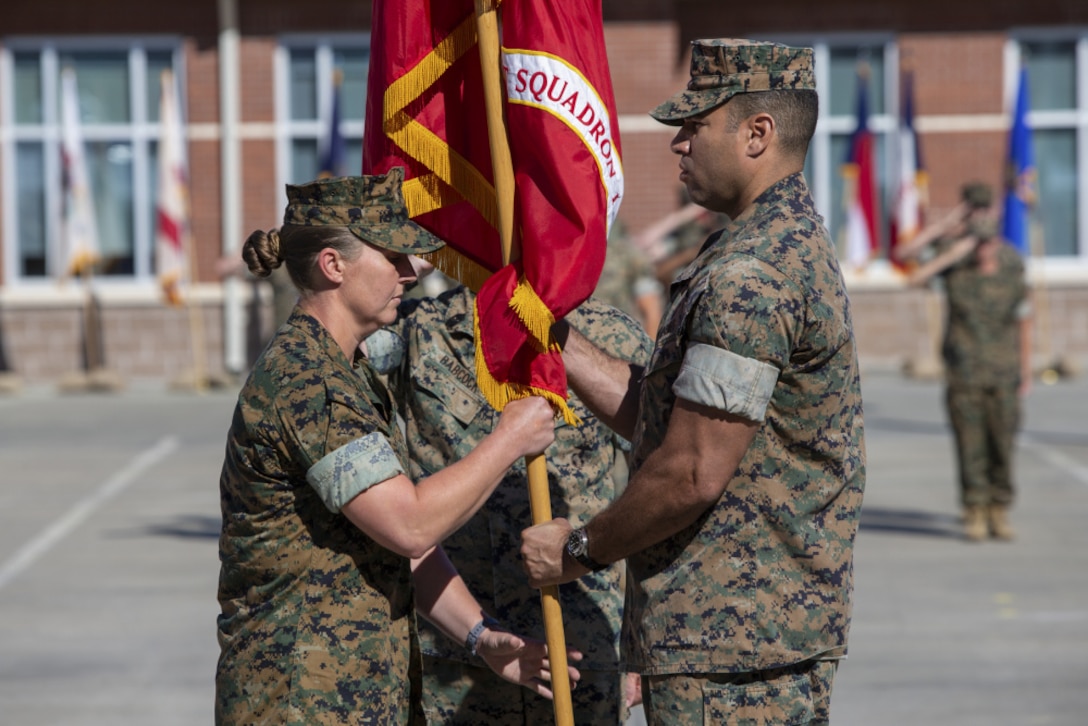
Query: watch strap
x=473, y=638
x=583, y=558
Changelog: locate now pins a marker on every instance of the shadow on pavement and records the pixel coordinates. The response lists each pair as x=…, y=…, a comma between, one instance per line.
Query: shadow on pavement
x=187, y=526
x=903, y=521
x=905, y=426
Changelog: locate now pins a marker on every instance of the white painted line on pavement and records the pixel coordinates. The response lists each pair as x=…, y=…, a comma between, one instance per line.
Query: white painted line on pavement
x=75, y=516
x=1058, y=460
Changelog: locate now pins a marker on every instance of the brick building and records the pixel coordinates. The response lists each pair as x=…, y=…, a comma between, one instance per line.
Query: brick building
x=257, y=76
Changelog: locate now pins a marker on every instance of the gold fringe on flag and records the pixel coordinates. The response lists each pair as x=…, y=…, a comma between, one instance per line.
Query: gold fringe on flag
x=81, y=263
x=171, y=289
x=426, y=73
x=455, y=265
x=499, y=393
x=447, y=166
x=534, y=315
x=426, y=193
x=452, y=177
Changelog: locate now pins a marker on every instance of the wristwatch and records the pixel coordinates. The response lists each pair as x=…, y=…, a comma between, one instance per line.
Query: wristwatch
x=578, y=548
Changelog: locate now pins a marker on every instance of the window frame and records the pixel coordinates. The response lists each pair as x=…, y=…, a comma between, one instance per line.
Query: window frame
x=140, y=132
x=289, y=129
x=827, y=171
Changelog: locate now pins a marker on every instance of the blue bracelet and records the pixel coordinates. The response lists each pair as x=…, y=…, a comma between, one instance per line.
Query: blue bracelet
x=477, y=630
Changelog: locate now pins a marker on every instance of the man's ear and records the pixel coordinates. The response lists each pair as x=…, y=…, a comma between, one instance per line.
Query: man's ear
x=762, y=130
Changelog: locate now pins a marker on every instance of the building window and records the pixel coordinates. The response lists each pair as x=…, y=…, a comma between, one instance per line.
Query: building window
x=839, y=68
x=118, y=84
x=308, y=71
x=1059, y=123
x=846, y=65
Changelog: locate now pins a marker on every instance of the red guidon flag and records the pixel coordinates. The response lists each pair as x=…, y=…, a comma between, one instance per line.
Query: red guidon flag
x=564, y=141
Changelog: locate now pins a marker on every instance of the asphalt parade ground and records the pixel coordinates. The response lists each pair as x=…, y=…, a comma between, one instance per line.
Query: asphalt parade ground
x=109, y=519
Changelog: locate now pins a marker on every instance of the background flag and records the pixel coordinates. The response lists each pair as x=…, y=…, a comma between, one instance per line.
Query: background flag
x=172, y=232
x=860, y=185
x=912, y=192
x=1020, y=176
x=333, y=151
x=426, y=91
x=79, y=226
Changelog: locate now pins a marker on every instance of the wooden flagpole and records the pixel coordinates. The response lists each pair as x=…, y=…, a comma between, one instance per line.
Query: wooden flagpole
x=92, y=333
x=487, y=31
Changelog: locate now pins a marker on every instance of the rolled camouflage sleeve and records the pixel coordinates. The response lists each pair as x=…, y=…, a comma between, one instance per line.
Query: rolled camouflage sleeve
x=740, y=333
x=352, y=469
x=726, y=381
x=385, y=349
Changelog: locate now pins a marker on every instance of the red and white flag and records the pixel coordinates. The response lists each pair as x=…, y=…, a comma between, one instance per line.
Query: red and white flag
x=172, y=232
x=79, y=224
x=911, y=194
x=859, y=186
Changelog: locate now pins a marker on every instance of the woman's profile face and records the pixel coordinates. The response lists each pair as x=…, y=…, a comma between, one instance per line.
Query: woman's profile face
x=373, y=285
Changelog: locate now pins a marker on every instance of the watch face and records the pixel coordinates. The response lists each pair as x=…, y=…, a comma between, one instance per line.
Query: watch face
x=576, y=543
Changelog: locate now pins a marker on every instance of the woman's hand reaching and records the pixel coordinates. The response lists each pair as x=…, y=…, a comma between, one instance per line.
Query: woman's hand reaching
x=522, y=661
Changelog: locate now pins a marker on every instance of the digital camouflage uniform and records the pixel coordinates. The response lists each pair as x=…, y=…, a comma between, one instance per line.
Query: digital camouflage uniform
x=759, y=326
x=754, y=598
x=981, y=354
x=315, y=623
x=315, y=614
x=432, y=377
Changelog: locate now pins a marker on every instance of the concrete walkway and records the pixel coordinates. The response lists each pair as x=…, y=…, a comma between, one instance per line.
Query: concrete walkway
x=109, y=517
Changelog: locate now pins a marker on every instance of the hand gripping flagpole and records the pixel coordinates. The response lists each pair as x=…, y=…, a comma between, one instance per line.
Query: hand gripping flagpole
x=487, y=31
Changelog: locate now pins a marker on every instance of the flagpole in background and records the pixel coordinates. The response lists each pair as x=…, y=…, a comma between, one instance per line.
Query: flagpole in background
x=539, y=497
x=80, y=226
x=907, y=221
x=175, y=253
x=80, y=236
x=911, y=193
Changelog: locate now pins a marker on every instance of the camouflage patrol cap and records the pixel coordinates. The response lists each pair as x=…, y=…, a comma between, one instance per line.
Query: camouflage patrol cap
x=371, y=207
x=982, y=228
x=724, y=67
x=977, y=194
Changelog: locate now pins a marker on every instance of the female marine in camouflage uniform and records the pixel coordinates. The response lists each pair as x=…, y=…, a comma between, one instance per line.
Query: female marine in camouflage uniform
x=319, y=518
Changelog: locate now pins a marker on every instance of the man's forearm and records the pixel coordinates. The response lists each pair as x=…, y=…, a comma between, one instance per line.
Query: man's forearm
x=607, y=385
x=676, y=484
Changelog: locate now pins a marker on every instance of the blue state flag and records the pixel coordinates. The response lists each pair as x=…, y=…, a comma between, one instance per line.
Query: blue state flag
x=1020, y=176
x=333, y=151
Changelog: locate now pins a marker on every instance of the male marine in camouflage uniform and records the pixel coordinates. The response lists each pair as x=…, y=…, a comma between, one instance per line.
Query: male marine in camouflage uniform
x=429, y=356
x=987, y=358
x=748, y=465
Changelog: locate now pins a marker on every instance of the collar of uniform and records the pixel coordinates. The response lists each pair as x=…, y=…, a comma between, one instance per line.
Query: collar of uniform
x=789, y=187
